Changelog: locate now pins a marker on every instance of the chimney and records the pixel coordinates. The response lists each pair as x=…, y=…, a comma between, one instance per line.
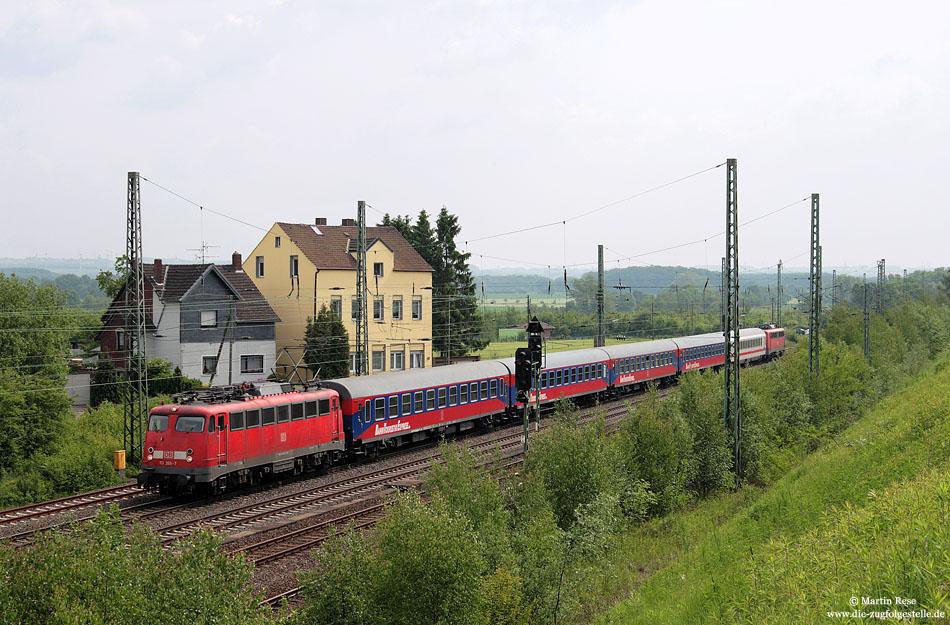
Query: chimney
x=348, y=222
x=320, y=221
x=236, y=262
x=159, y=272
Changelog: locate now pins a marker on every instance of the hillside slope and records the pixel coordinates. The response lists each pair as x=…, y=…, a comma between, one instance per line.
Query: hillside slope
x=864, y=520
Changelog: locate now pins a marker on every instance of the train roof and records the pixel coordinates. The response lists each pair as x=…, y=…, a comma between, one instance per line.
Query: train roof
x=713, y=338
x=641, y=348
x=412, y=379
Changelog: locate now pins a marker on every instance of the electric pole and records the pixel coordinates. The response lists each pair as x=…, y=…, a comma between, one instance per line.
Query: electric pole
x=362, y=293
x=867, y=323
x=731, y=415
x=881, y=284
x=814, y=281
x=601, y=338
x=834, y=288
x=778, y=294
x=136, y=396
x=723, y=281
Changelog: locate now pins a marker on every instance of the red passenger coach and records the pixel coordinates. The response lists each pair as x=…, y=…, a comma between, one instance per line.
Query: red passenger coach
x=216, y=438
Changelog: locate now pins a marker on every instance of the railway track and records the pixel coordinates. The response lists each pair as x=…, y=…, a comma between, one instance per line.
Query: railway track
x=73, y=502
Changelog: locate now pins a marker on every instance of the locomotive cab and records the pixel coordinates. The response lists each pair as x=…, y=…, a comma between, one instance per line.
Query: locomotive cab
x=182, y=444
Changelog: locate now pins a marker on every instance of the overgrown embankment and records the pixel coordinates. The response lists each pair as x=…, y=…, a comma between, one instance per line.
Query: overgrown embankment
x=866, y=516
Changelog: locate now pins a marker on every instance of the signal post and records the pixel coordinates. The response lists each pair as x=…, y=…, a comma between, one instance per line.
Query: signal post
x=528, y=365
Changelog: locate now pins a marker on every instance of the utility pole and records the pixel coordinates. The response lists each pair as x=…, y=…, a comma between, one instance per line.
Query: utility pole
x=136, y=396
x=814, y=281
x=834, y=288
x=231, y=319
x=731, y=415
x=362, y=293
x=778, y=294
x=867, y=323
x=600, y=340
x=881, y=283
x=723, y=281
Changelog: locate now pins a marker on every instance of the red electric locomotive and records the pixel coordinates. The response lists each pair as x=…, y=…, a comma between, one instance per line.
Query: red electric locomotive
x=216, y=438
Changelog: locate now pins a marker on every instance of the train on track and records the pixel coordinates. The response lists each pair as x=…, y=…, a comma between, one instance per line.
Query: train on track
x=223, y=437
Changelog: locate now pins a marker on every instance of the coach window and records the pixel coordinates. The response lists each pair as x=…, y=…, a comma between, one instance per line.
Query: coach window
x=237, y=421
x=296, y=411
x=473, y=391
x=406, y=403
x=253, y=418
x=324, y=407
x=430, y=399
x=267, y=416
x=442, y=398
x=310, y=409
x=417, y=402
x=380, y=408
x=463, y=394
x=483, y=390
x=453, y=395
x=283, y=415
x=393, y=405
x=494, y=389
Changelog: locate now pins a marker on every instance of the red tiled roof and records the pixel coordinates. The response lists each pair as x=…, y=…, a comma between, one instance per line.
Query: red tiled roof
x=328, y=250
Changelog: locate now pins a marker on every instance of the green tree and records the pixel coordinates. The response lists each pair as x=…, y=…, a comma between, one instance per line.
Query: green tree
x=105, y=384
x=327, y=351
x=111, y=283
x=34, y=329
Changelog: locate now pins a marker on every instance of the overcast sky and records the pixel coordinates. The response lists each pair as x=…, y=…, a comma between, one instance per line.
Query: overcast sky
x=511, y=114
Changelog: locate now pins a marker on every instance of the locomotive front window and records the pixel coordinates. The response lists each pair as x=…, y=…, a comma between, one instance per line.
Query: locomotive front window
x=158, y=423
x=190, y=424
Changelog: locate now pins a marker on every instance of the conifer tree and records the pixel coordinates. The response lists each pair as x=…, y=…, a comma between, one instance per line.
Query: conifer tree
x=327, y=350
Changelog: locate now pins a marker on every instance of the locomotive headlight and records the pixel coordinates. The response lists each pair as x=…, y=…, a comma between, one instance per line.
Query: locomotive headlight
x=149, y=457
x=188, y=459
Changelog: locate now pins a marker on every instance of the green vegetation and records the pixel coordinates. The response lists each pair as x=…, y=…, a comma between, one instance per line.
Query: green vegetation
x=594, y=517
x=100, y=572
x=327, y=352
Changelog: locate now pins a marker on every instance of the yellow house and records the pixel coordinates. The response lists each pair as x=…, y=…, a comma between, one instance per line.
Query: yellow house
x=300, y=267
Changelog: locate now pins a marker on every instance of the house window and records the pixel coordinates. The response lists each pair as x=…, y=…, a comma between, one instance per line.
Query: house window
x=397, y=307
x=120, y=339
x=354, y=307
x=336, y=305
x=397, y=360
x=293, y=266
x=379, y=360
x=276, y=241
x=259, y=266
x=378, y=270
x=352, y=362
x=377, y=309
x=209, y=364
x=252, y=364
x=416, y=307
x=209, y=318
x=417, y=359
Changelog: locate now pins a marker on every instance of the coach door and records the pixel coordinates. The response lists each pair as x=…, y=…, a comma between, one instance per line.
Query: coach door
x=222, y=435
x=335, y=420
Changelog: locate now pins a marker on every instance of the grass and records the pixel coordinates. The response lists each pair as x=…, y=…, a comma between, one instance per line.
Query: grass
x=864, y=516
x=506, y=349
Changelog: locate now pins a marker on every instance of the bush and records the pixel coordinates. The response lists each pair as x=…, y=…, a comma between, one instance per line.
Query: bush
x=700, y=402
